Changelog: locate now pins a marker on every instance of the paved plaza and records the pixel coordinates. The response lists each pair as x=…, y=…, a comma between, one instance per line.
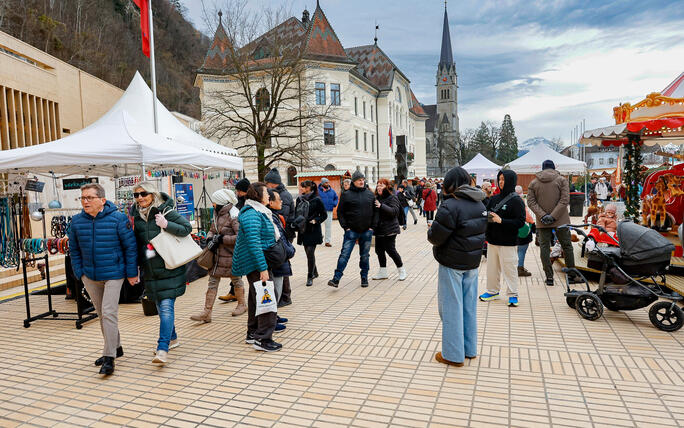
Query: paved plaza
x=351, y=357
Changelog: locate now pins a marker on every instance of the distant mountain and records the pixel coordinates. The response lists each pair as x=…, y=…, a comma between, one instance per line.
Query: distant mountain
x=530, y=143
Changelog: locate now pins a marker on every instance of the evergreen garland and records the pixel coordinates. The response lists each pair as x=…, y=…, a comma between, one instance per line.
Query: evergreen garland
x=632, y=179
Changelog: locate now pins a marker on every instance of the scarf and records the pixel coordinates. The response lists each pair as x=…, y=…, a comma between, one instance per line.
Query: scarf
x=259, y=207
x=144, y=212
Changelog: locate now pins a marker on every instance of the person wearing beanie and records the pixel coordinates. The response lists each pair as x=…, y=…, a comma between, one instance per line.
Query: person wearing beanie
x=330, y=199
x=221, y=241
x=241, y=188
x=358, y=217
x=548, y=196
x=457, y=236
x=506, y=215
x=152, y=212
x=273, y=181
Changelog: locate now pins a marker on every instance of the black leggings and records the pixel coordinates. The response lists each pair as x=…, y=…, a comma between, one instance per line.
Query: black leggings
x=310, y=251
x=430, y=215
x=387, y=244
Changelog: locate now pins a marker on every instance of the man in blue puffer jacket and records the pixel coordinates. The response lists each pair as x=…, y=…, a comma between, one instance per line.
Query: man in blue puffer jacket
x=329, y=197
x=103, y=253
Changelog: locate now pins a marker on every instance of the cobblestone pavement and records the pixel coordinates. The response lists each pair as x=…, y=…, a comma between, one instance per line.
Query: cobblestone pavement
x=351, y=356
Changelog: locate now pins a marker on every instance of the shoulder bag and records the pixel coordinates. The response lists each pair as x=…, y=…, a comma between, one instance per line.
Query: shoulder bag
x=175, y=250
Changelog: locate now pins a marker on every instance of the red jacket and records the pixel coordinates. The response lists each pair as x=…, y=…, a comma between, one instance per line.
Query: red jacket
x=430, y=198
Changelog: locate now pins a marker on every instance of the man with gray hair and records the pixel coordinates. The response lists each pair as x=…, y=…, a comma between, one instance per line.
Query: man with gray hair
x=103, y=252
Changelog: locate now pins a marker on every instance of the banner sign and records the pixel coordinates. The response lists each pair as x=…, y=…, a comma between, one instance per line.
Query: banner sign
x=185, y=200
x=76, y=183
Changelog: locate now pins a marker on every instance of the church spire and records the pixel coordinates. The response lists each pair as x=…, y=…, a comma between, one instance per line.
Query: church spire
x=446, y=57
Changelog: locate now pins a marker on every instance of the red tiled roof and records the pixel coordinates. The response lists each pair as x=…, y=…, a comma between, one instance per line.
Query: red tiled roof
x=322, y=40
x=417, y=108
x=218, y=51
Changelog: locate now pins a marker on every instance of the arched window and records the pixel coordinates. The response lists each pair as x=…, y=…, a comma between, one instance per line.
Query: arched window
x=398, y=94
x=330, y=167
x=292, y=176
x=263, y=99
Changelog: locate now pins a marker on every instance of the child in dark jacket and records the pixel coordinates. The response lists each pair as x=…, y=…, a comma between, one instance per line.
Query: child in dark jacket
x=279, y=273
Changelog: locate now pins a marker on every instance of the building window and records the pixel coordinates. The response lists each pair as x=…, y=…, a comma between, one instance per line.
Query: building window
x=27, y=120
x=398, y=94
x=364, y=109
x=292, y=176
x=329, y=167
x=374, y=176
x=356, y=106
x=600, y=161
x=365, y=142
x=263, y=99
x=372, y=114
x=329, y=133
x=356, y=139
x=365, y=173
x=335, y=94
x=611, y=161
x=373, y=143
x=320, y=93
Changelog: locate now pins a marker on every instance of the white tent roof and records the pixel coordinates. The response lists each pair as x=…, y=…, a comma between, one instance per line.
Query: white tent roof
x=482, y=168
x=120, y=141
x=531, y=162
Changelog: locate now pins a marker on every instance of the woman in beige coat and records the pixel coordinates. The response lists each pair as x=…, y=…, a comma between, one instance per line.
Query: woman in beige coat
x=221, y=240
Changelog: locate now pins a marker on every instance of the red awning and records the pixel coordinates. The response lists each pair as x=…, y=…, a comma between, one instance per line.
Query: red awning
x=656, y=124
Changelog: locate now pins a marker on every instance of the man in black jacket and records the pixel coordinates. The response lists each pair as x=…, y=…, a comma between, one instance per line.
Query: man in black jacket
x=273, y=181
x=506, y=216
x=358, y=216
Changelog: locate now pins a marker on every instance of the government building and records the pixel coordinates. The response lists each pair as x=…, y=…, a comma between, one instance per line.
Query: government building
x=376, y=124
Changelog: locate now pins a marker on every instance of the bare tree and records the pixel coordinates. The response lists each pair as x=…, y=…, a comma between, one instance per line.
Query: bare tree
x=266, y=105
x=557, y=144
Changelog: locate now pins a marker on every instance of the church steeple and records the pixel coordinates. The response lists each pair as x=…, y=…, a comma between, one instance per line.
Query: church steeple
x=446, y=58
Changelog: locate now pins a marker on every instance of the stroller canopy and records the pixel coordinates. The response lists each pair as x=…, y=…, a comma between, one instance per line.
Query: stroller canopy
x=639, y=243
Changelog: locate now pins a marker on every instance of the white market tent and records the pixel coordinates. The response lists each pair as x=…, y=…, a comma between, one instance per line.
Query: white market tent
x=531, y=162
x=482, y=167
x=121, y=141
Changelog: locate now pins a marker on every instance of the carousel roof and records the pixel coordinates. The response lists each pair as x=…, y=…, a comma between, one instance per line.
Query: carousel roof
x=657, y=119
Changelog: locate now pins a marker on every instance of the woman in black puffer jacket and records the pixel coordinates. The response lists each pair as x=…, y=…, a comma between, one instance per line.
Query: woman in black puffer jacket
x=389, y=210
x=310, y=205
x=457, y=235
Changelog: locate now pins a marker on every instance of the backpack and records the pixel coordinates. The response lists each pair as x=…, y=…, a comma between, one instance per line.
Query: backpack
x=301, y=214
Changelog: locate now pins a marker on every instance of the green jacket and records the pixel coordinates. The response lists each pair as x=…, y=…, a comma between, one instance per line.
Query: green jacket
x=160, y=283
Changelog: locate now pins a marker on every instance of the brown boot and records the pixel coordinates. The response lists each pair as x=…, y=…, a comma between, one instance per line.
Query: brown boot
x=523, y=272
x=228, y=298
x=205, y=315
x=241, y=307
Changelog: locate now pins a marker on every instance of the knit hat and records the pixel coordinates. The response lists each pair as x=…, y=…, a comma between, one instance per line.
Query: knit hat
x=223, y=196
x=548, y=164
x=324, y=180
x=357, y=174
x=242, y=185
x=273, y=177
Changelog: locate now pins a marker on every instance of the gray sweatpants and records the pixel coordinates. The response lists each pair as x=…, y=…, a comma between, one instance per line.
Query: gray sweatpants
x=105, y=297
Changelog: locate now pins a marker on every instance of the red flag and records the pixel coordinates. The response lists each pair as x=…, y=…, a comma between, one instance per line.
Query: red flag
x=144, y=25
x=390, y=135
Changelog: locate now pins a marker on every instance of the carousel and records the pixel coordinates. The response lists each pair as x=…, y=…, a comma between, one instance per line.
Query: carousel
x=659, y=203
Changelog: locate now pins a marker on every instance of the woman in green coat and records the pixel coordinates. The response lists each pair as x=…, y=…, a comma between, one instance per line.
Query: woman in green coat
x=152, y=212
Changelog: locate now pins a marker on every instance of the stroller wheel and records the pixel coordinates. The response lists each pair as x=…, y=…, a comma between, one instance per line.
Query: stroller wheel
x=589, y=306
x=666, y=316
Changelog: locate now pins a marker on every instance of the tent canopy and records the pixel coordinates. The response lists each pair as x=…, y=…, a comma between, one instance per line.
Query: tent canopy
x=482, y=167
x=120, y=141
x=531, y=162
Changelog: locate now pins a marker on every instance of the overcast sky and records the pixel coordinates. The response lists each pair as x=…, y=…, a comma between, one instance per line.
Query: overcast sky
x=547, y=63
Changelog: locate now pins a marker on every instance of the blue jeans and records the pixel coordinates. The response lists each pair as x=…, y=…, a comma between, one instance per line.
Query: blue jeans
x=350, y=238
x=457, y=302
x=522, y=250
x=167, y=329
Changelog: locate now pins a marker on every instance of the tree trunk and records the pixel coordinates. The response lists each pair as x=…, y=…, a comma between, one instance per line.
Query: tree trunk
x=261, y=160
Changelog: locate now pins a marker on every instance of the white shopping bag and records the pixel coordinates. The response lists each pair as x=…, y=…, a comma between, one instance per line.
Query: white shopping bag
x=265, y=297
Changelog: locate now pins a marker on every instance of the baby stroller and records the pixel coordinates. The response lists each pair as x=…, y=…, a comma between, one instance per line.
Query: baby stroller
x=634, y=266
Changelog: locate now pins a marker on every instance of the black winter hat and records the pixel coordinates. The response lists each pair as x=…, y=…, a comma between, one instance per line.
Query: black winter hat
x=273, y=177
x=242, y=185
x=357, y=174
x=548, y=164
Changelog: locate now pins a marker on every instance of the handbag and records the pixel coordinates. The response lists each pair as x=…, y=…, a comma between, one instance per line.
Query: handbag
x=265, y=297
x=524, y=231
x=276, y=254
x=206, y=259
x=149, y=307
x=175, y=250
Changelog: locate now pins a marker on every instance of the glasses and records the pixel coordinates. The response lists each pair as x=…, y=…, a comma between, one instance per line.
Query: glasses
x=88, y=198
x=137, y=195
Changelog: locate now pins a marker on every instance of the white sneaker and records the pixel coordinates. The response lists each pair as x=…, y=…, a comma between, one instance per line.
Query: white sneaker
x=160, y=358
x=172, y=344
x=402, y=273
x=382, y=274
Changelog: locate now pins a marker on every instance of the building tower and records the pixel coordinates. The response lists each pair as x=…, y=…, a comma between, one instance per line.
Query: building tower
x=447, y=86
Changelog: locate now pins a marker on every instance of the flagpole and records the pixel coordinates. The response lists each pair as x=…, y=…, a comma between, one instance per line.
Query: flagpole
x=153, y=74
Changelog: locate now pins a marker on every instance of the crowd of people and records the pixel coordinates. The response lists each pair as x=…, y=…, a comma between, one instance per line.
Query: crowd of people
x=257, y=229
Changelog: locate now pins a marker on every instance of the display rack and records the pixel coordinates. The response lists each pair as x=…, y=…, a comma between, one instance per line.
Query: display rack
x=83, y=313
